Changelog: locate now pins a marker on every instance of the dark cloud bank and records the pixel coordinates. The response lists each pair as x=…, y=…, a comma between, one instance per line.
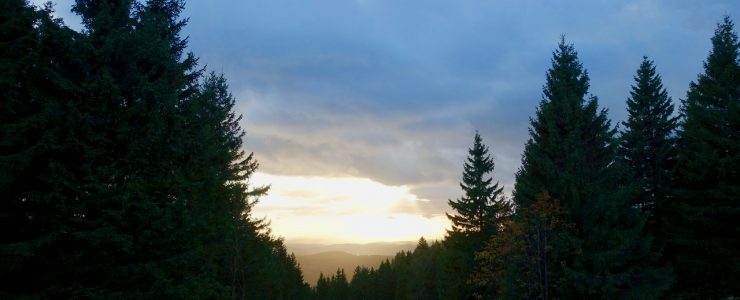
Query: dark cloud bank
x=393, y=90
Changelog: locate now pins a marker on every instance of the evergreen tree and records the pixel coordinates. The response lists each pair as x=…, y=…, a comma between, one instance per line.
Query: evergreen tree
x=478, y=214
x=322, y=288
x=362, y=284
x=338, y=286
x=401, y=265
x=648, y=142
x=141, y=222
x=571, y=156
x=704, y=221
x=423, y=283
x=385, y=278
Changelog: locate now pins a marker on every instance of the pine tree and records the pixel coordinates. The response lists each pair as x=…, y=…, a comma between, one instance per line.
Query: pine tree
x=479, y=211
x=648, y=148
x=704, y=221
x=422, y=283
x=571, y=156
x=385, y=276
x=321, y=291
x=647, y=145
x=140, y=227
x=338, y=286
x=478, y=214
x=362, y=285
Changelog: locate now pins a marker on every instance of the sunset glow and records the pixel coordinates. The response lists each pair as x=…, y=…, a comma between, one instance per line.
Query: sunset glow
x=339, y=210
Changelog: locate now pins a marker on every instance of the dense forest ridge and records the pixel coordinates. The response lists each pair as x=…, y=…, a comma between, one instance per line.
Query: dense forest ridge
x=123, y=176
x=315, y=265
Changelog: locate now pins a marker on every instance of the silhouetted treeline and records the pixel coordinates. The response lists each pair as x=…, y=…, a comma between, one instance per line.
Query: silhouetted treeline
x=651, y=210
x=121, y=169
x=409, y=275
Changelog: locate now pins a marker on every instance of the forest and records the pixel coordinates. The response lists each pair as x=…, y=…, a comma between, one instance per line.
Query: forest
x=123, y=176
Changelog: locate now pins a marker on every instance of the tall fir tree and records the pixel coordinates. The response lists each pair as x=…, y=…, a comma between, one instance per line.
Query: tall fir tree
x=255, y=265
x=321, y=291
x=704, y=222
x=478, y=215
x=648, y=145
x=362, y=284
x=140, y=214
x=338, y=286
x=570, y=157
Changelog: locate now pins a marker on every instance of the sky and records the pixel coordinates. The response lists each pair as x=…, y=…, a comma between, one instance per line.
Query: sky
x=360, y=112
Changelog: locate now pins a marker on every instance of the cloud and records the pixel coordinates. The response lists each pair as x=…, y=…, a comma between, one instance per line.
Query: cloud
x=392, y=91
x=358, y=228
x=346, y=209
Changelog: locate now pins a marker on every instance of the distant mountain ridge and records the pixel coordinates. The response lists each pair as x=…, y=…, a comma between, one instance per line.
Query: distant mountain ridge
x=328, y=262
x=322, y=258
x=378, y=248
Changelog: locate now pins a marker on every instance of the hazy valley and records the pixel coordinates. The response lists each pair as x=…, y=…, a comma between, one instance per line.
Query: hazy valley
x=315, y=259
